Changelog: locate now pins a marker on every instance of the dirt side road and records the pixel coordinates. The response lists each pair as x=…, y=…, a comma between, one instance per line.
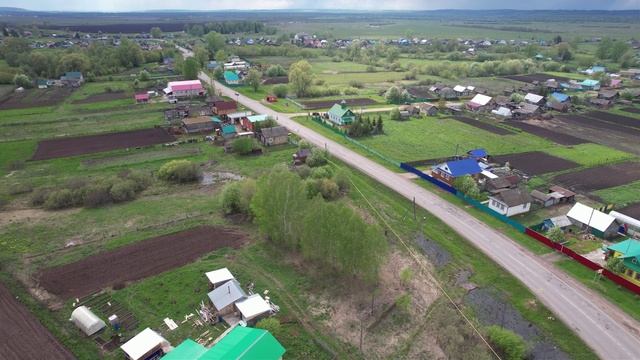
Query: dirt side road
x=21, y=334
x=611, y=333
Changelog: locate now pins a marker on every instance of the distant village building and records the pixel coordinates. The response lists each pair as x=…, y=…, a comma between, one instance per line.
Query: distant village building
x=186, y=88
x=341, y=115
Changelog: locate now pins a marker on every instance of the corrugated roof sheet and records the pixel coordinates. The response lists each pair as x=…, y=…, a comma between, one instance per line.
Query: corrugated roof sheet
x=592, y=217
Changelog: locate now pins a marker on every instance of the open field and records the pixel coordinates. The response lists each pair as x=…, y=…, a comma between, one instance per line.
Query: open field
x=601, y=177
x=107, y=96
x=484, y=126
x=558, y=138
x=136, y=261
x=536, y=162
x=605, y=124
x=54, y=148
x=23, y=336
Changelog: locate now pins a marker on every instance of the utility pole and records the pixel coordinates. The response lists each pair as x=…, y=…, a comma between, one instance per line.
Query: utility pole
x=414, y=208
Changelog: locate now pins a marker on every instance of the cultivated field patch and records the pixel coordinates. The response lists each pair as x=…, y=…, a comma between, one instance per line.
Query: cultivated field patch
x=536, y=162
x=535, y=77
x=137, y=261
x=556, y=137
x=35, y=98
x=632, y=210
x=631, y=110
x=484, y=126
x=72, y=146
x=598, y=124
x=321, y=104
x=614, y=118
x=601, y=177
x=23, y=336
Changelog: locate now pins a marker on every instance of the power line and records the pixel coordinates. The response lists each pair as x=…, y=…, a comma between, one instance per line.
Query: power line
x=416, y=257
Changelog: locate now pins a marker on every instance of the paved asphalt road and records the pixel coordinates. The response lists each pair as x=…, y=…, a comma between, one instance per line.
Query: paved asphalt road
x=611, y=333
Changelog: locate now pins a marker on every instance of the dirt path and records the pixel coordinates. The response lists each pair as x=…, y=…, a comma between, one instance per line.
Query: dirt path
x=610, y=332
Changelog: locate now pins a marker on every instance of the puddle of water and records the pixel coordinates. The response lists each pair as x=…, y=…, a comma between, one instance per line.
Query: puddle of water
x=210, y=178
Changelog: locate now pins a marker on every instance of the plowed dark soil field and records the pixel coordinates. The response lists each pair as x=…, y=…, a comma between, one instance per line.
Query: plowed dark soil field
x=535, y=162
x=601, y=177
x=137, y=261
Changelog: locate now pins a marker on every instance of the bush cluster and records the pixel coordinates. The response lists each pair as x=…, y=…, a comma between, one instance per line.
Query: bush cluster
x=92, y=194
x=179, y=171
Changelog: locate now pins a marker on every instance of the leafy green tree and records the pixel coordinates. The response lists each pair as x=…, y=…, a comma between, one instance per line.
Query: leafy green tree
x=556, y=234
x=511, y=345
x=214, y=42
x=276, y=70
x=156, y=32
x=243, y=145
x=129, y=54
x=280, y=90
x=618, y=49
x=237, y=196
x=604, y=48
x=300, y=77
x=563, y=51
x=254, y=79
x=220, y=56
x=615, y=264
x=74, y=62
x=190, y=68
x=394, y=114
x=467, y=185
x=278, y=205
x=201, y=55
x=394, y=95
x=22, y=80
x=144, y=75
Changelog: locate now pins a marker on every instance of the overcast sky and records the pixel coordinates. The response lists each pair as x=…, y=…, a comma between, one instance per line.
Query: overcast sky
x=137, y=5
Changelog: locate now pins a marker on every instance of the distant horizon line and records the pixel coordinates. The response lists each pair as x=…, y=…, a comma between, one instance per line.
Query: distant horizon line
x=17, y=9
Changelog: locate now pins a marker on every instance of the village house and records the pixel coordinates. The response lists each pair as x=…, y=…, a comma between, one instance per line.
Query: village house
x=558, y=106
x=447, y=172
x=235, y=63
x=248, y=122
x=629, y=252
x=502, y=111
x=610, y=95
x=601, y=103
x=525, y=110
x=534, y=99
x=590, y=84
x=410, y=110
x=224, y=296
x=510, y=202
x=186, y=88
x=479, y=102
x=596, y=222
x=72, y=78
x=340, y=114
x=277, y=135
x=224, y=107
x=501, y=183
x=427, y=109
x=237, y=117
x=176, y=113
x=200, y=124
x=240, y=343
x=229, y=131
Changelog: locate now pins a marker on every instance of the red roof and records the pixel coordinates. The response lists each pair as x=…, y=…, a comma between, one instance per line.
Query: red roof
x=142, y=96
x=225, y=105
x=186, y=87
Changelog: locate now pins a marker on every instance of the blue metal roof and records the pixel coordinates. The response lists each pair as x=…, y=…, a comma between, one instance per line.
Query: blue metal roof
x=231, y=76
x=463, y=167
x=477, y=153
x=560, y=96
x=590, y=82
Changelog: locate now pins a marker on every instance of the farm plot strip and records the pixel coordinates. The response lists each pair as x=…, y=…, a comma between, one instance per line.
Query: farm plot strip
x=137, y=261
x=321, y=104
x=598, y=124
x=631, y=110
x=535, y=77
x=22, y=336
x=72, y=146
x=556, y=137
x=107, y=96
x=615, y=119
x=484, y=126
x=536, y=162
x=632, y=210
x=601, y=177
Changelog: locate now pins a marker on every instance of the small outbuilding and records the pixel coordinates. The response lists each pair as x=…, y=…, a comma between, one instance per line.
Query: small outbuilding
x=510, y=202
x=253, y=308
x=276, y=135
x=598, y=223
x=219, y=277
x=86, y=320
x=226, y=295
x=141, y=98
x=200, y=124
x=148, y=344
x=479, y=102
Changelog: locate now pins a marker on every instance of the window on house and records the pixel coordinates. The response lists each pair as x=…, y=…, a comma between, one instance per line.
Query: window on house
x=637, y=276
x=628, y=272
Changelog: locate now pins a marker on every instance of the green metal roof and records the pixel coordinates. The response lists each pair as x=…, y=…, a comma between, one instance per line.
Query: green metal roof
x=628, y=248
x=188, y=349
x=228, y=129
x=340, y=111
x=216, y=119
x=245, y=343
x=231, y=76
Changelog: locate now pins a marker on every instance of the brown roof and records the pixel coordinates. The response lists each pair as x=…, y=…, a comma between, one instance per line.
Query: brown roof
x=503, y=182
x=275, y=131
x=561, y=190
x=225, y=105
x=513, y=197
x=197, y=120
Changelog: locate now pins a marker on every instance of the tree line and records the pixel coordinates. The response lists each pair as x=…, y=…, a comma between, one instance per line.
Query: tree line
x=229, y=27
